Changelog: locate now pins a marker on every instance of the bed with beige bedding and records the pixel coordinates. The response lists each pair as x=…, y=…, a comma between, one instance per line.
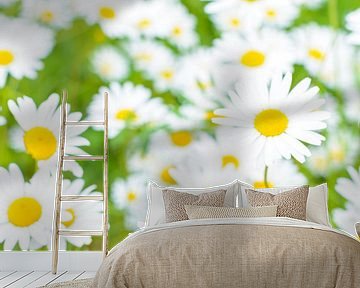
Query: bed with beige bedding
x=238, y=252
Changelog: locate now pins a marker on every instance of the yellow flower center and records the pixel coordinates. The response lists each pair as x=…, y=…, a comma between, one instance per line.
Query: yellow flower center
x=177, y=31
x=47, y=16
x=131, y=196
x=167, y=74
x=271, y=13
x=230, y=159
x=181, y=138
x=316, y=54
x=320, y=163
x=24, y=212
x=144, y=23
x=261, y=184
x=6, y=57
x=40, y=143
x=166, y=177
x=235, y=22
x=126, y=115
x=105, y=68
x=209, y=115
x=147, y=57
x=106, y=12
x=252, y=58
x=271, y=122
x=69, y=223
x=338, y=155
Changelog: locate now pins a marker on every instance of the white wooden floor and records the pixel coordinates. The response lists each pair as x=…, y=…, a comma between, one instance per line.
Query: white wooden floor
x=32, y=279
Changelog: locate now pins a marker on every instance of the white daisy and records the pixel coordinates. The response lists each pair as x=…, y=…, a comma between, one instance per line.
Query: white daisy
x=352, y=105
x=280, y=173
x=216, y=6
x=180, y=25
x=141, y=18
x=79, y=216
x=146, y=54
x=349, y=189
x=339, y=151
x=106, y=13
x=23, y=45
x=25, y=208
x=238, y=19
x=279, y=13
x=40, y=132
x=353, y=24
x=109, y=64
x=129, y=105
x=199, y=116
x=265, y=52
x=2, y=119
x=274, y=121
x=129, y=194
x=57, y=14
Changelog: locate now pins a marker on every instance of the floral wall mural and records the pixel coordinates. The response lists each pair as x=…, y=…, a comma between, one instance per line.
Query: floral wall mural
x=201, y=93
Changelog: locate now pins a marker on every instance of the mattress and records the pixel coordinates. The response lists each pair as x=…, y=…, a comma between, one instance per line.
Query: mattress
x=237, y=252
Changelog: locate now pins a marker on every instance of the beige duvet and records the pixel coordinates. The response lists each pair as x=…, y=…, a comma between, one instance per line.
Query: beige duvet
x=273, y=253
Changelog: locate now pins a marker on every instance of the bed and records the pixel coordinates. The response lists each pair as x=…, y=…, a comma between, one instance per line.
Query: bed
x=234, y=252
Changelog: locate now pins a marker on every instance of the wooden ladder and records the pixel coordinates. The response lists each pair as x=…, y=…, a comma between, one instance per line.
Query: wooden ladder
x=59, y=198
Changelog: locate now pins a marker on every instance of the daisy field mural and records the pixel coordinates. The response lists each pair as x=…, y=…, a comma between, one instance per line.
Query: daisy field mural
x=201, y=93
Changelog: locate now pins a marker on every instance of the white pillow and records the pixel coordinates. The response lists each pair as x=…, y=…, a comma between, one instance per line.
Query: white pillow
x=316, y=207
x=156, y=209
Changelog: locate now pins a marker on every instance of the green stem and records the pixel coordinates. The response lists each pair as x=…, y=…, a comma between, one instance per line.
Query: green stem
x=333, y=13
x=266, y=177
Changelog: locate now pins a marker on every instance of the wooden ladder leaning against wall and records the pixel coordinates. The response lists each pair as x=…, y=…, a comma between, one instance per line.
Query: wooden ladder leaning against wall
x=59, y=198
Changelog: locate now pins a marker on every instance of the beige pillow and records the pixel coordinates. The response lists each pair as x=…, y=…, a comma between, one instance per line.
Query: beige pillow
x=201, y=212
x=291, y=203
x=175, y=201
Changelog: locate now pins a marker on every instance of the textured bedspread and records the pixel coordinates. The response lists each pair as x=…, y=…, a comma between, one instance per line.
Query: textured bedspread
x=229, y=253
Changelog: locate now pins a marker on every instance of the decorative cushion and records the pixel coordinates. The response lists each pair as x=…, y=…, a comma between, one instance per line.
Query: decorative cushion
x=156, y=209
x=201, y=212
x=291, y=203
x=175, y=203
x=316, y=207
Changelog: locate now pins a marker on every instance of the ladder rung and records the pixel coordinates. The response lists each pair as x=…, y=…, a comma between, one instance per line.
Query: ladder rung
x=83, y=157
x=82, y=198
x=84, y=123
x=76, y=233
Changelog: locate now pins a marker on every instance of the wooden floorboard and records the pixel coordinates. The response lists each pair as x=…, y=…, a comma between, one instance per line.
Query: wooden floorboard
x=68, y=276
x=48, y=278
x=5, y=274
x=28, y=279
x=12, y=278
x=87, y=274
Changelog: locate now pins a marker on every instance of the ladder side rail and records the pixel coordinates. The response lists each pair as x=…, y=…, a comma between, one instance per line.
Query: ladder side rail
x=105, y=176
x=59, y=180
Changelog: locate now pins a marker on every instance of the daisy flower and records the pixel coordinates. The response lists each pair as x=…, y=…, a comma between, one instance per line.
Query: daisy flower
x=2, y=119
x=199, y=116
x=216, y=6
x=40, y=132
x=180, y=26
x=274, y=121
x=141, y=18
x=238, y=19
x=265, y=52
x=339, y=150
x=146, y=54
x=129, y=194
x=280, y=173
x=129, y=105
x=25, y=208
x=353, y=25
x=106, y=13
x=79, y=216
x=109, y=64
x=23, y=45
x=279, y=13
x=349, y=189
x=57, y=14
x=352, y=105
x=319, y=50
